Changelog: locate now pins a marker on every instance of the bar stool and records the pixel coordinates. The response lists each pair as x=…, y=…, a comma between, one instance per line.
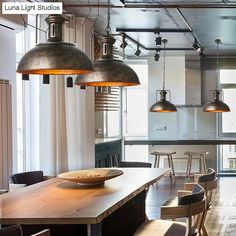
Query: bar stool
x=201, y=156
x=158, y=155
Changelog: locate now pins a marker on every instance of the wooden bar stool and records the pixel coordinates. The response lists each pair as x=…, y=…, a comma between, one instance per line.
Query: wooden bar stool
x=201, y=156
x=158, y=155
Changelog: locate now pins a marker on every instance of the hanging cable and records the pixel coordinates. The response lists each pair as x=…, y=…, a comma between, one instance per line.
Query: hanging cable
x=108, y=28
x=164, y=63
x=69, y=79
x=217, y=41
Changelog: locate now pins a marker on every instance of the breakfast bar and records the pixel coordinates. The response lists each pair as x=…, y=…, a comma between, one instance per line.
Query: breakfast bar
x=66, y=208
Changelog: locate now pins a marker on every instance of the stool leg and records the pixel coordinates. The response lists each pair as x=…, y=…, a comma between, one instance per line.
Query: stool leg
x=155, y=161
x=204, y=163
x=172, y=168
x=158, y=161
x=169, y=164
x=200, y=165
x=190, y=166
x=187, y=171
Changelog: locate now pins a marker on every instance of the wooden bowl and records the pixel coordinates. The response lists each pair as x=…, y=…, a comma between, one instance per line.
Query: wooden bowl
x=96, y=176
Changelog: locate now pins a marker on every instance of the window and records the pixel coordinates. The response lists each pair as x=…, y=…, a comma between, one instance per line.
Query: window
x=135, y=113
x=227, y=126
x=136, y=104
x=27, y=136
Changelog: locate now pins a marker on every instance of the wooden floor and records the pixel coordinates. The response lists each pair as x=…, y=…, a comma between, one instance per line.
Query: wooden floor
x=221, y=219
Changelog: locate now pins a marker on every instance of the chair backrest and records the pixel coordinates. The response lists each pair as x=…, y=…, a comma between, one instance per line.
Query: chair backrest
x=28, y=178
x=192, y=206
x=196, y=196
x=188, y=205
x=14, y=230
x=127, y=164
x=208, y=182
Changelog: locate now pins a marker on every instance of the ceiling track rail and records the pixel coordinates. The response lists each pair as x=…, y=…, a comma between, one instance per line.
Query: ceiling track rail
x=154, y=49
x=154, y=5
x=155, y=31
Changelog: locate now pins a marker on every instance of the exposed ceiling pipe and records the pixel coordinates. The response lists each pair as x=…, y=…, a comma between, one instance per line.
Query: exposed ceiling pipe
x=151, y=5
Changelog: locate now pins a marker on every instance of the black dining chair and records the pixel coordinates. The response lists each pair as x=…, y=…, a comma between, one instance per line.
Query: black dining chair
x=28, y=178
x=16, y=230
x=134, y=164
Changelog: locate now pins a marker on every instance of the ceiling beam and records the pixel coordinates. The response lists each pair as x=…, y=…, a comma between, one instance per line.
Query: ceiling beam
x=156, y=30
x=154, y=5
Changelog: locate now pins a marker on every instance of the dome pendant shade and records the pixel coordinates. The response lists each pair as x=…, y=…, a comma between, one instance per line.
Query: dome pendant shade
x=216, y=105
x=163, y=105
x=55, y=57
x=108, y=71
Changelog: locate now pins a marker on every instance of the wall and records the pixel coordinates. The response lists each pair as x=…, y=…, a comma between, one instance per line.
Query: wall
x=208, y=83
x=187, y=122
x=193, y=86
x=175, y=82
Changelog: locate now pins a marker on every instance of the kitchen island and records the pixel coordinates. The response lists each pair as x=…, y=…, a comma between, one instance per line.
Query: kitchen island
x=149, y=141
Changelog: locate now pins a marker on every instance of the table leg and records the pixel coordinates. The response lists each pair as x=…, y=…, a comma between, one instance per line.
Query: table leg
x=94, y=230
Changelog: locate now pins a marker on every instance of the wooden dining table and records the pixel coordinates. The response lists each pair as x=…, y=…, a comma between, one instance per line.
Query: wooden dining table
x=66, y=208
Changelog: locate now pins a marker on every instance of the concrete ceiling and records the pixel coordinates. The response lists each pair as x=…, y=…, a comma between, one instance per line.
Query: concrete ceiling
x=209, y=20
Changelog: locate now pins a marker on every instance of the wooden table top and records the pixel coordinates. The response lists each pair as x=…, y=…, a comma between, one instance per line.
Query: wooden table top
x=58, y=201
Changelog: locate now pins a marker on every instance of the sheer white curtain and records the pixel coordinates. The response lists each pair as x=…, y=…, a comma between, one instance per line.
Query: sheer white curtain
x=60, y=121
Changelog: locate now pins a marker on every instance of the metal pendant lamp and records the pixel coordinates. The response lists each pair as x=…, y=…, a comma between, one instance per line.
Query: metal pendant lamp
x=163, y=105
x=108, y=70
x=216, y=105
x=55, y=57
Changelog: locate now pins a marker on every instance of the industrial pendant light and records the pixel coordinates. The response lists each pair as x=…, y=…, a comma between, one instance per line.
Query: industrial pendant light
x=108, y=70
x=216, y=105
x=163, y=105
x=55, y=57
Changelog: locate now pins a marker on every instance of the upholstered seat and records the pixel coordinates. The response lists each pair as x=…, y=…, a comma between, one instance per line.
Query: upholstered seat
x=164, y=228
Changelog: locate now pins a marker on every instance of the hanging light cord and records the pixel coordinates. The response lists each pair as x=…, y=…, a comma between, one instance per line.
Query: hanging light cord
x=164, y=66
x=217, y=62
x=108, y=28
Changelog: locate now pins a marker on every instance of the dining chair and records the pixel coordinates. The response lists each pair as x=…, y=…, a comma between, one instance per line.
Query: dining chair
x=16, y=230
x=135, y=164
x=2, y=191
x=189, y=206
x=28, y=178
x=208, y=182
